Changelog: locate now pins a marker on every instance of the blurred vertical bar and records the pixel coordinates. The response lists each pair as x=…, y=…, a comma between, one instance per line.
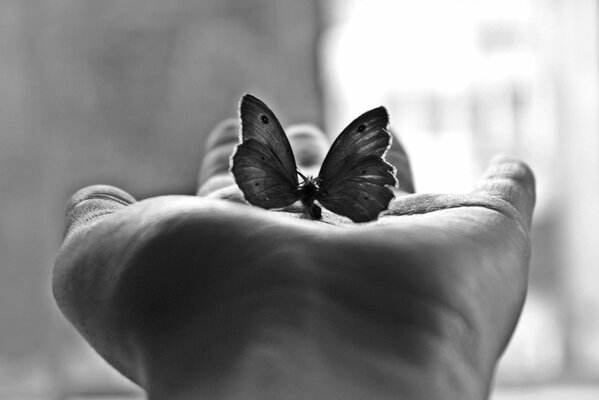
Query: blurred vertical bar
x=579, y=128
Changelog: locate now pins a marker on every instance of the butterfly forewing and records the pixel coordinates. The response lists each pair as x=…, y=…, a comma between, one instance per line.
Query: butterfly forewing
x=259, y=122
x=354, y=178
x=263, y=164
x=366, y=135
x=357, y=195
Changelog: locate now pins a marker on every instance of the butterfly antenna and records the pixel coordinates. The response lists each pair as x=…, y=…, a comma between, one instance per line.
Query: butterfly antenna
x=302, y=175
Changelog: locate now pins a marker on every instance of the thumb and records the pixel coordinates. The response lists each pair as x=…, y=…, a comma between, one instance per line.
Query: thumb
x=91, y=203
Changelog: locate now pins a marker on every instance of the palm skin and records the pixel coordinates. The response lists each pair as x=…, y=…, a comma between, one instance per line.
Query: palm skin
x=207, y=297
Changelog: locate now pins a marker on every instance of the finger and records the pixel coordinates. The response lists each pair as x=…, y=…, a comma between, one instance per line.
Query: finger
x=309, y=145
x=91, y=203
x=220, y=144
x=398, y=157
x=510, y=180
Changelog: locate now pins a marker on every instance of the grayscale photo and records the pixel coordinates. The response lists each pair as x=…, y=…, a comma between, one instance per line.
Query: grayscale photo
x=299, y=200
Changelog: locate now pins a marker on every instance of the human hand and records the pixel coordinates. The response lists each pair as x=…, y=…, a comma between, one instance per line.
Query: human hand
x=207, y=296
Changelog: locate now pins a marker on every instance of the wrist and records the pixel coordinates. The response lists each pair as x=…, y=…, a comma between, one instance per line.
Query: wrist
x=317, y=361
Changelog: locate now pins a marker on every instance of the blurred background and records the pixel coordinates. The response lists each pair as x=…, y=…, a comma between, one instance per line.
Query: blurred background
x=124, y=93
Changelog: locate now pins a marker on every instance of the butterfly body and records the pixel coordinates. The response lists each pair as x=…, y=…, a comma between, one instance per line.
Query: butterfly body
x=354, y=180
x=308, y=191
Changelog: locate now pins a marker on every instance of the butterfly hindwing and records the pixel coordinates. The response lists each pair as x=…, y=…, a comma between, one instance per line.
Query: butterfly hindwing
x=263, y=164
x=260, y=178
x=361, y=193
x=355, y=178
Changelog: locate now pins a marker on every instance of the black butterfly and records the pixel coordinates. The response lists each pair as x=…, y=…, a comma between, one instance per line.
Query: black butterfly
x=354, y=180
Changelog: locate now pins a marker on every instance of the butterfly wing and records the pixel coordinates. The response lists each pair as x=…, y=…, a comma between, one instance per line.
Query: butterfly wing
x=355, y=178
x=263, y=164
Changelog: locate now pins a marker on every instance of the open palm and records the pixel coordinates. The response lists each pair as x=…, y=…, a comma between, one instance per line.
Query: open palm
x=207, y=297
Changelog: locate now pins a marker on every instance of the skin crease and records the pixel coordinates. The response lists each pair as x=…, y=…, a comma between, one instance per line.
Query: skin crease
x=208, y=298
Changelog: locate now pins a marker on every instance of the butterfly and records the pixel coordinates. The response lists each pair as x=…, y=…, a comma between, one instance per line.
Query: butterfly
x=354, y=180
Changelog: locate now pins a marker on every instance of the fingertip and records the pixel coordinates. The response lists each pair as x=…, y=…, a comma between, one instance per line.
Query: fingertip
x=309, y=144
x=504, y=158
x=511, y=180
x=223, y=133
x=104, y=192
x=92, y=202
x=505, y=167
